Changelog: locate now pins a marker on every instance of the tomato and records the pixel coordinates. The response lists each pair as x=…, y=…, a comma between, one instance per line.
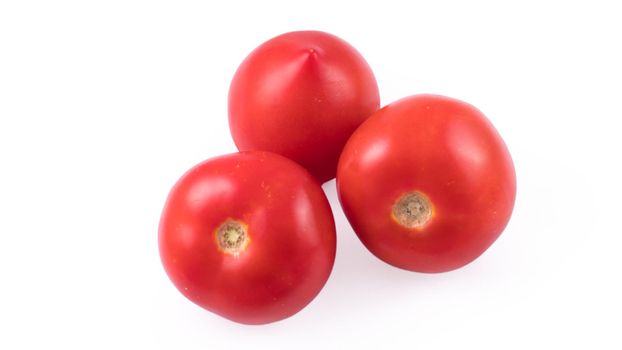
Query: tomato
x=249, y=236
x=427, y=183
x=301, y=95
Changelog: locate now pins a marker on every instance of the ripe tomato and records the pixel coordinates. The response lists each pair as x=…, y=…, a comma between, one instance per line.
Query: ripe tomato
x=301, y=95
x=249, y=236
x=427, y=183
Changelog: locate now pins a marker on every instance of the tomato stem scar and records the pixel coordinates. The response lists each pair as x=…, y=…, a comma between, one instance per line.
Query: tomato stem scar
x=232, y=237
x=412, y=210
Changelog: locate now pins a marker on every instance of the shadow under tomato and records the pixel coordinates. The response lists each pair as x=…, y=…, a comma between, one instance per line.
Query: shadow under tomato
x=359, y=278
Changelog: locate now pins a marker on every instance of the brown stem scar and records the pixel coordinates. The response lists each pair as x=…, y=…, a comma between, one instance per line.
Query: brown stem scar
x=412, y=210
x=232, y=237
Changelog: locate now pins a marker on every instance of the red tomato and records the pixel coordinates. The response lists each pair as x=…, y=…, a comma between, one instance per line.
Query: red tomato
x=301, y=95
x=249, y=236
x=427, y=183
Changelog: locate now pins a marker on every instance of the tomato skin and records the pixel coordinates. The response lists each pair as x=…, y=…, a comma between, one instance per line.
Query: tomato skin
x=291, y=247
x=301, y=95
x=445, y=149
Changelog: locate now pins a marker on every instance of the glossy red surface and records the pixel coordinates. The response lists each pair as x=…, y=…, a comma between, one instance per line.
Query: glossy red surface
x=445, y=149
x=301, y=95
x=291, y=246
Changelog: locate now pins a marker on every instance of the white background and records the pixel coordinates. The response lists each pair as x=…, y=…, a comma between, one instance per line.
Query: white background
x=104, y=104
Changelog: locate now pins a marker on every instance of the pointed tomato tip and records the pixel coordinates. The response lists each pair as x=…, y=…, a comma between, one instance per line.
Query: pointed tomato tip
x=312, y=53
